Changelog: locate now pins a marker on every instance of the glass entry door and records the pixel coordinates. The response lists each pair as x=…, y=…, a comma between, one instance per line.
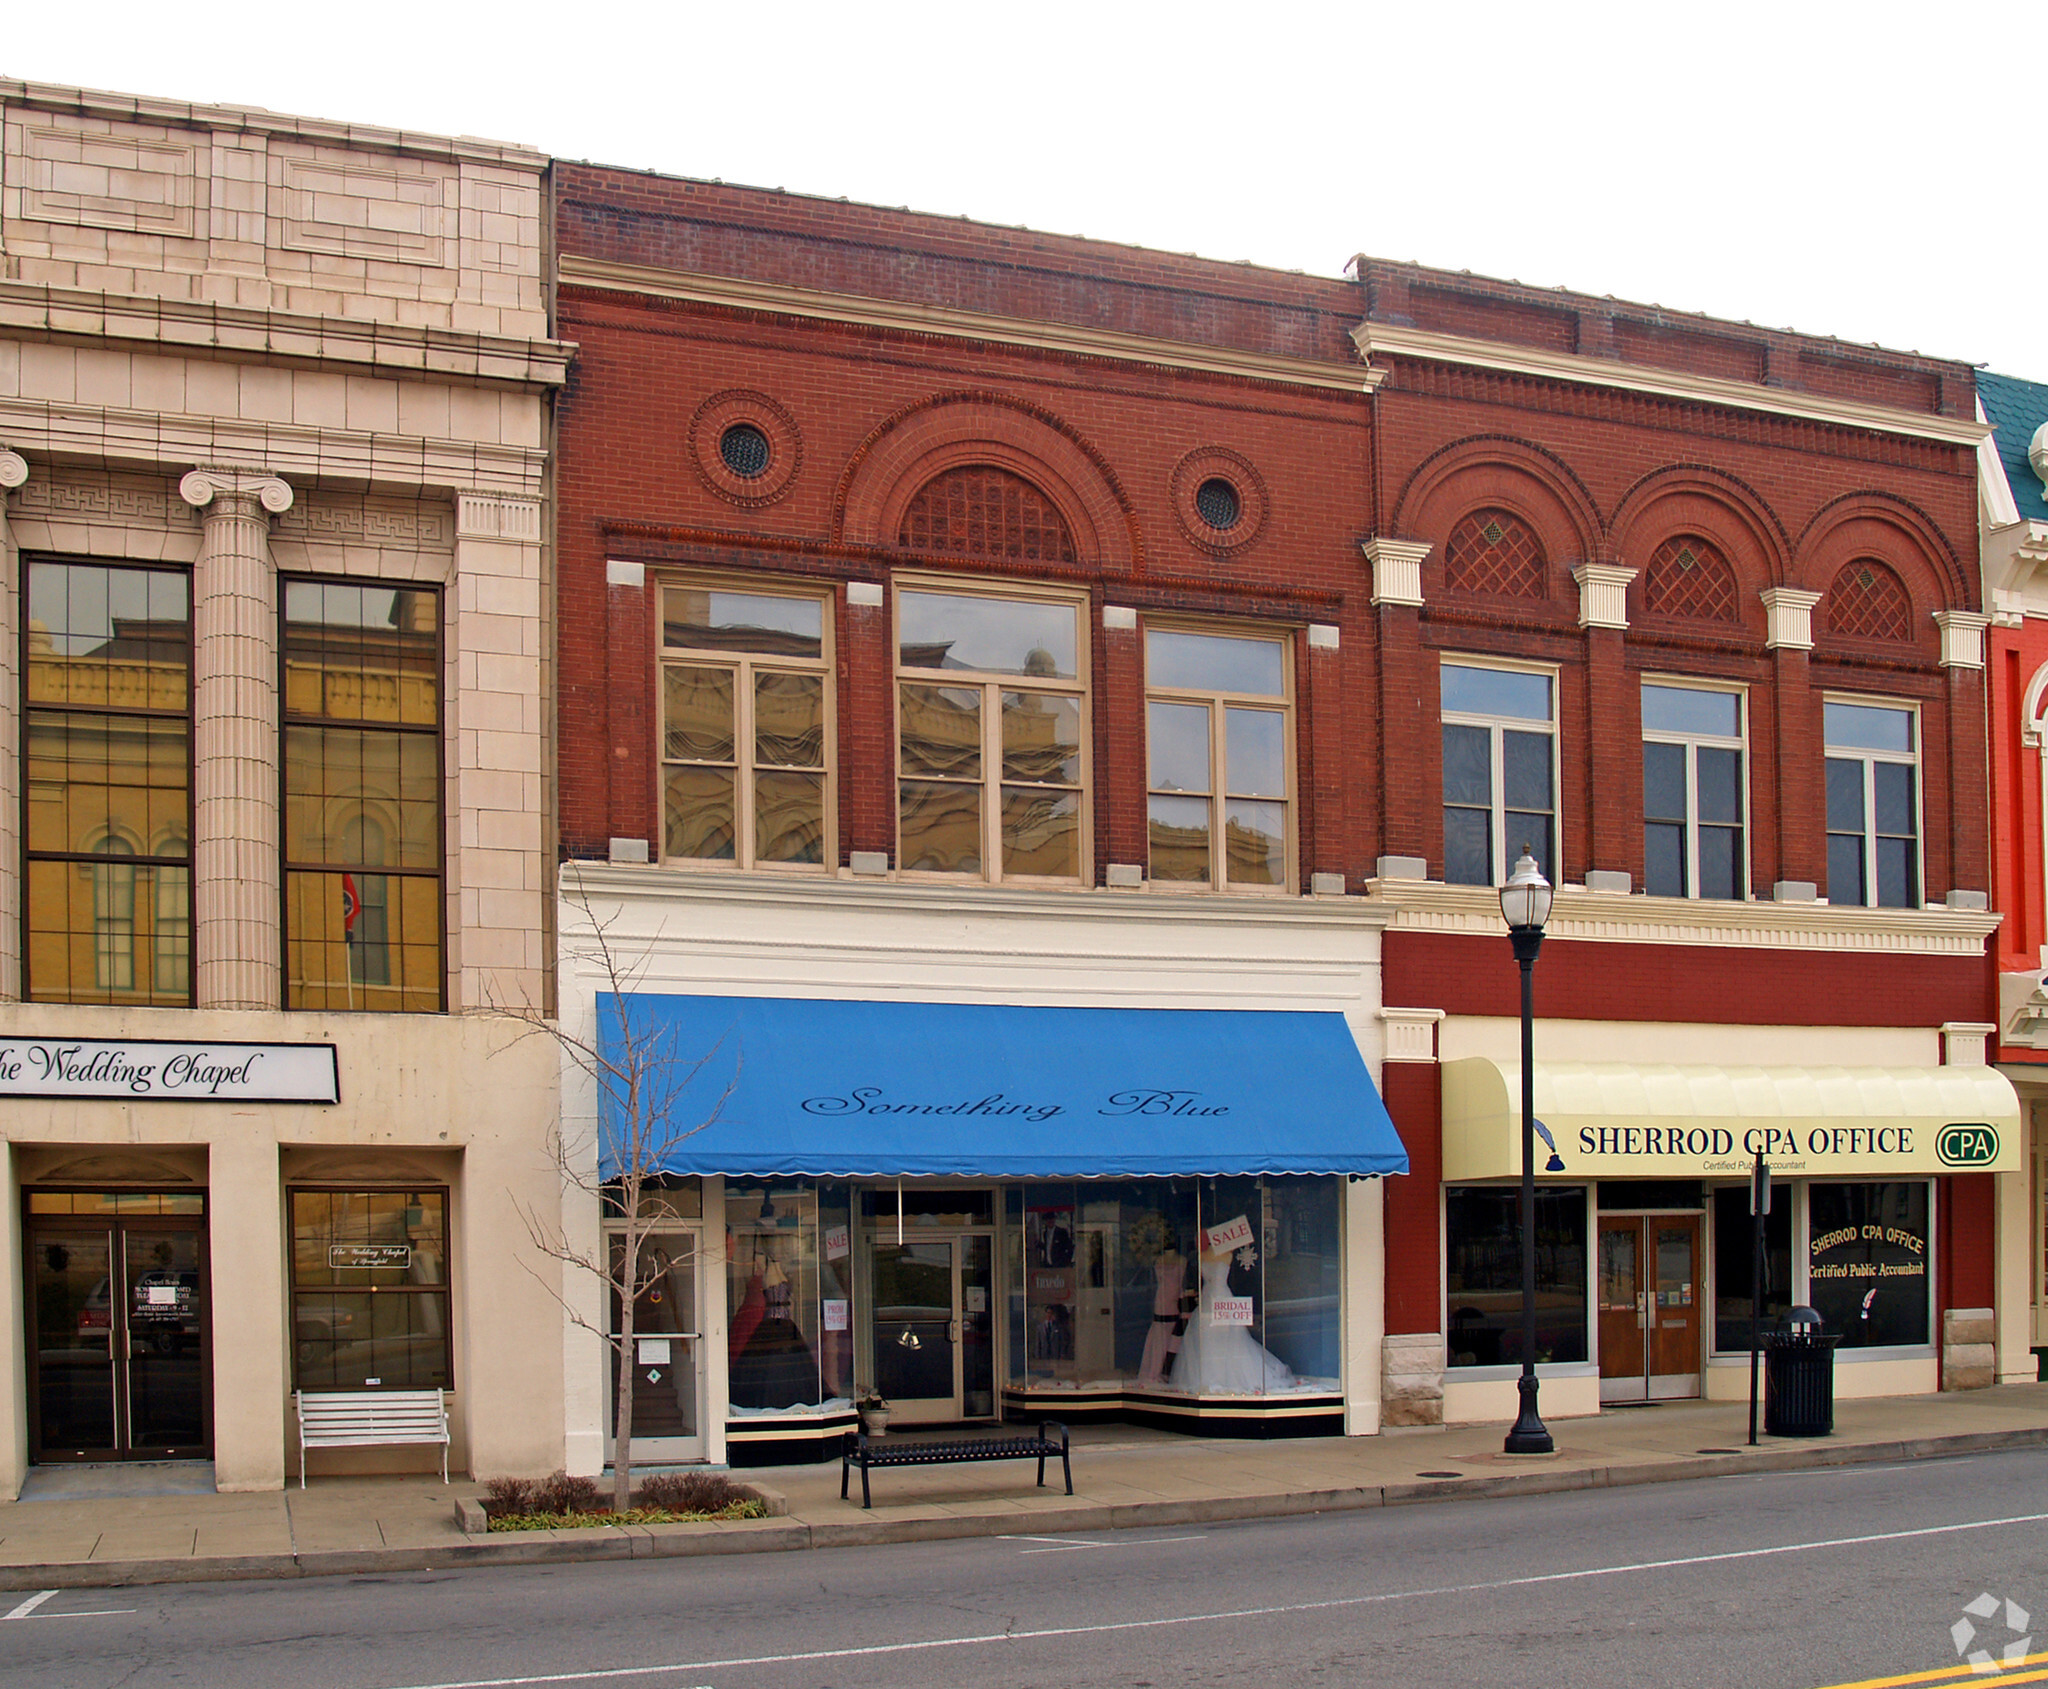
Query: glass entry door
x=1651, y=1330
x=666, y=1366
x=933, y=1327
x=117, y=1340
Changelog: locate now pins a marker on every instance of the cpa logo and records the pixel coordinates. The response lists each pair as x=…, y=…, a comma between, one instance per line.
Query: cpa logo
x=1963, y=1634
x=1973, y=1145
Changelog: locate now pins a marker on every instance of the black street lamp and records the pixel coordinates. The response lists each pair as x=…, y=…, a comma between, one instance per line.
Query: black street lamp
x=1525, y=905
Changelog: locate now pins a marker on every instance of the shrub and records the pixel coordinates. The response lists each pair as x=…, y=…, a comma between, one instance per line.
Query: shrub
x=508, y=1495
x=560, y=1493
x=690, y=1492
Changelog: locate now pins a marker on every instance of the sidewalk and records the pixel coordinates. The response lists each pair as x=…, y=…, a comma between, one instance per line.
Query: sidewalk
x=1123, y=1476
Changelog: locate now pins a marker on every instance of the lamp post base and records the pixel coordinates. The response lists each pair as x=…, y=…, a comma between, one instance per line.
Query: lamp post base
x=1529, y=1434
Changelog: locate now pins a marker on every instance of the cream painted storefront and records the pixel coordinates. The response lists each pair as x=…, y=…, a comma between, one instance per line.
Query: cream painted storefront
x=966, y=1297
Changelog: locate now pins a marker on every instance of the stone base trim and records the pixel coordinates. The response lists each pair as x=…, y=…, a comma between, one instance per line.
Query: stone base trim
x=1969, y=1349
x=1412, y=1379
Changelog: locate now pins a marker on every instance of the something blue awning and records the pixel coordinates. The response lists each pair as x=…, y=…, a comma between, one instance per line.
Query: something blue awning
x=901, y=1090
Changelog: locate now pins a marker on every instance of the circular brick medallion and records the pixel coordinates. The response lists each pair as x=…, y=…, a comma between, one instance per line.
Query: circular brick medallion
x=1219, y=499
x=746, y=447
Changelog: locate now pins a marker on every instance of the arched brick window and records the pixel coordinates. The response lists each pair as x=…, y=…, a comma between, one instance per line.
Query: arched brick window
x=1689, y=577
x=982, y=511
x=1868, y=601
x=1493, y=552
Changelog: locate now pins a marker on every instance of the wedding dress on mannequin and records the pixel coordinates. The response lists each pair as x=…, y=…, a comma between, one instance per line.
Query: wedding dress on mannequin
x=1225, y=1360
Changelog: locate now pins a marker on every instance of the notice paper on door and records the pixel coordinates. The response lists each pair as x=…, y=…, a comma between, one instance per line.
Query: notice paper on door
x=653, y=1350
x=977, y=1299
x=1233, y=1234
x=162, y=1295
x=835, y=1315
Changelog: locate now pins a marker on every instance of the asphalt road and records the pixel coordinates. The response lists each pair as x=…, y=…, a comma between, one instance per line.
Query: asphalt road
x=1790, y=1581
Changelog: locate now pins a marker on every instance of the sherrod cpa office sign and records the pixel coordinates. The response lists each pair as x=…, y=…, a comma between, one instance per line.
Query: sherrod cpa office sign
x=155, y=1070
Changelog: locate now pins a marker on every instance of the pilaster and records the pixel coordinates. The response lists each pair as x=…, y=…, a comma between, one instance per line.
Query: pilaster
x=13, y=472
x=237, y=940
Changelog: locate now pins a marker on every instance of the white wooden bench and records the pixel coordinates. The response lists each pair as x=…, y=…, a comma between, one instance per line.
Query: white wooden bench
x=356, y=1419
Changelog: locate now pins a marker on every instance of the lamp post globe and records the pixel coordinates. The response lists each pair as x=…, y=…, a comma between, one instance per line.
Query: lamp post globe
x=1525, y=906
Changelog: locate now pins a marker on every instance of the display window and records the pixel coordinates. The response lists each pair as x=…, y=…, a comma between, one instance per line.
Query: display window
x=1483, y=1274
x=789, y=1296
x=1867, y=1263
x=1735, y=1266
x=370, y=1289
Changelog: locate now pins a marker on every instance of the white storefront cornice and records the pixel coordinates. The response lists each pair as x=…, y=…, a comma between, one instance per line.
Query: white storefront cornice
x=139, y=321
x=158, y=440
x=785, y=892
x=1383, y=340
x=730, y=293
x=1602, y=918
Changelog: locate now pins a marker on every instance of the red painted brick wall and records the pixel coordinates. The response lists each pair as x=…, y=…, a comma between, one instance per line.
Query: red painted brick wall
x=1415, y=1256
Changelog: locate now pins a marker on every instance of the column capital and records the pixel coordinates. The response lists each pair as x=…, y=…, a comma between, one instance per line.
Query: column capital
x=202, y=485
x=1790, y=612
x=13, y=469
x=1396, y=569
x=1603, y=594
x=1962, y=638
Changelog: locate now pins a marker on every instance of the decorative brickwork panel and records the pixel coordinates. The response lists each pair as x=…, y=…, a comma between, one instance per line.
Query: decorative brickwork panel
x=1868, y=601
x=1690, y=578
x=981, y=511
x=1493, y=552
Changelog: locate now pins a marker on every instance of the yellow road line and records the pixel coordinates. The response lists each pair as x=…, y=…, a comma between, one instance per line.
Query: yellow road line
x=1955, y=1674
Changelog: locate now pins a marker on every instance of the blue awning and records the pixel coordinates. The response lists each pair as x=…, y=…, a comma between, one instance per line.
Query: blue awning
x=900, y=1090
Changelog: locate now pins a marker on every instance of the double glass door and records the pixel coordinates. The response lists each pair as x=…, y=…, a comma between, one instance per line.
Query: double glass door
x=1651, y=1311
x=117, y=1340
x=933, y=1326
x=665, y=1367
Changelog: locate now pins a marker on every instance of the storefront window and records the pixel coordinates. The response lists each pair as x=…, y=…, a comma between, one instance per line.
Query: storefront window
x=370, y=1289
x=1483, y=1276
x=1735, y=1266
x=1867, y=1262
x=789, y=1327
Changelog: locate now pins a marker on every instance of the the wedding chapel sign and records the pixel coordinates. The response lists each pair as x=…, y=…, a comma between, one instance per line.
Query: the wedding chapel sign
x=155, y=1070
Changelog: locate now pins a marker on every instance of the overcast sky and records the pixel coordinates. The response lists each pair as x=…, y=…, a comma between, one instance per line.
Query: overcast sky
x=1875, y=172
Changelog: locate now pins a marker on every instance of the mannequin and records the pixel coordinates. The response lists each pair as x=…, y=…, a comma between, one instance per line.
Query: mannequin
x=1161, y=1340
x=1225, y=1360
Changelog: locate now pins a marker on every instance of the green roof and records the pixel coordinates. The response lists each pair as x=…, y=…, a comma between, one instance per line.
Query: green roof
x=2015, y=410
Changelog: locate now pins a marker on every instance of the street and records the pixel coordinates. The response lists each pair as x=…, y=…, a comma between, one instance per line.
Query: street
x=1786, y=1581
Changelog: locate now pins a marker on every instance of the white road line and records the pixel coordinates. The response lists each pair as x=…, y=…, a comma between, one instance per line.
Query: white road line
x=1056, y=1633
x=90, y=1613
x=1060, y=1547
x=28, y=1606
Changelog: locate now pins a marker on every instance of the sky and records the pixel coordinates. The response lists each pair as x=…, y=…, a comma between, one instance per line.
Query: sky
x=1874, y=172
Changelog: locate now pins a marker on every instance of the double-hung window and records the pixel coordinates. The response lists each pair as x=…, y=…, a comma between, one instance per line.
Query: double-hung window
x=746, y=713
x=1500, y=770
x=107, y=737
x=990, y=732
x=1873, y=804
x=1217, y=755
x=1693, y=795
x=363, y=840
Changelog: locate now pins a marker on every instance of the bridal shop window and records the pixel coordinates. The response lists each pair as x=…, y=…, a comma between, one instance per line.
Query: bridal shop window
x=1185, y=1286
x=789, y=1261
x=1483, y=1274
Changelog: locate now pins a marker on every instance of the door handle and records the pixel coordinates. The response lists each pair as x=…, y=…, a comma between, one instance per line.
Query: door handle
x=1642, y=1318
x=952, y=1331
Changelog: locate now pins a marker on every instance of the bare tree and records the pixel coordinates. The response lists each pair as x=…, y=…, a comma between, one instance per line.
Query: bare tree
x=641, y=1079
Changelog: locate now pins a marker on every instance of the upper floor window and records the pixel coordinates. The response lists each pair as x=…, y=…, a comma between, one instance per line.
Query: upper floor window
x=107, y=728
x=1500, y=770
x=1217, y=755
x=1873, y=805
x=1693, y=792
x=990, y=717
x=746, y=710
x=363, y=844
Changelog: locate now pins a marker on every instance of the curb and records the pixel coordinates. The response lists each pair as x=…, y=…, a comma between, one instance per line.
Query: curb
x=784, y=1535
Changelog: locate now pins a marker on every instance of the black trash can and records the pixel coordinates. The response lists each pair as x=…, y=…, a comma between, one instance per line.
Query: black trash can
x=1799, y=1378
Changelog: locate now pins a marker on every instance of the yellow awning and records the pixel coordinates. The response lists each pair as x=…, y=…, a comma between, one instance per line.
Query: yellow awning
x=1623, y=1120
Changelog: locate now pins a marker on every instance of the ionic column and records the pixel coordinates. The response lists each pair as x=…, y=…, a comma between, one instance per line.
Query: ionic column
x=13, y=471
x=237, y=939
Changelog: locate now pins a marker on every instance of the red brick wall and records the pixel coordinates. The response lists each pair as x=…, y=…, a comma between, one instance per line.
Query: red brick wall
x=1415, y=1256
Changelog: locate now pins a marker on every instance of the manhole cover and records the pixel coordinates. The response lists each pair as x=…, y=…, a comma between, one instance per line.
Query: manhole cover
x=1439, y=1474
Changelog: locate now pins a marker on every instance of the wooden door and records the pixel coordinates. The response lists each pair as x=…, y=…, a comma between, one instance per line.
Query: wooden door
x=1676, y=1306
x=1624, y=1309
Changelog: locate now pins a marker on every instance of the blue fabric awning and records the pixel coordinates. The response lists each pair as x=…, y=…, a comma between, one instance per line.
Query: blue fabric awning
x=900, y=1090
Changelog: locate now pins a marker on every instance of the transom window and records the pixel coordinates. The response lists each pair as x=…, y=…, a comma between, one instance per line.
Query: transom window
x=107, y=730
x=746, y=710
x=1694, y=800
x=1217, y=756
x=1500, y=770
x=1873, y=805
x=991, y=715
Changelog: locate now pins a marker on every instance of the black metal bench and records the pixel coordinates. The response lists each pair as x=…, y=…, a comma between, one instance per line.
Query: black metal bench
x=867, y=1452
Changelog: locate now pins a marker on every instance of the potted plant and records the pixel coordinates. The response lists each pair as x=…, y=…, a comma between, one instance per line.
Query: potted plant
x=873, y=1408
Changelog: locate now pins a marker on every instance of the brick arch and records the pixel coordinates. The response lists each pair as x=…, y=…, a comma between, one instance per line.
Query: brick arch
x=1732, y=529
x=1498, y=474
x=1895, y=533
x=1867, y=600
x=959, y=430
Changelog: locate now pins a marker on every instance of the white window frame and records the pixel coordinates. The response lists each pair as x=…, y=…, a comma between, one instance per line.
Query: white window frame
x=992, y=686
x=1218, y=701
x=1739, y=744
x=744, y=665
x=1504, y=850
x=1869, y=759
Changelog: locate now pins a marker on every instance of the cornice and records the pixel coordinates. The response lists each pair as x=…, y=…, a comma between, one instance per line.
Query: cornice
x=1603, y=918
x=157, y=441
x=1377, y=340
x=34, y=310
x=729, y=293
x=683, y=886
